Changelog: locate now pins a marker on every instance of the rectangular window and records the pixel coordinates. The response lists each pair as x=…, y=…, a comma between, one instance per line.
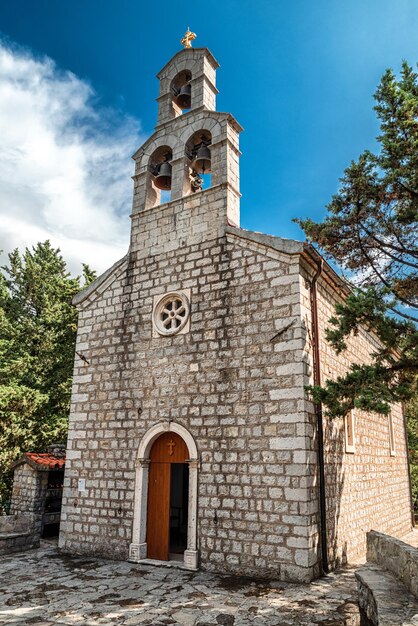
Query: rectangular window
x=391, y=435
x=350, y=441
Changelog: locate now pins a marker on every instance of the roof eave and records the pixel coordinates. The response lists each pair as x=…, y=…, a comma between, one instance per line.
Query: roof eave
x=85, y=293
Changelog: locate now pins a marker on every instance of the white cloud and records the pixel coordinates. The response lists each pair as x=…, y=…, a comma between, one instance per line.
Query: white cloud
x=65, y=163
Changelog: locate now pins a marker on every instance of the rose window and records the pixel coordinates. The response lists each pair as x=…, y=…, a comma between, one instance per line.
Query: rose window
x=171, y=313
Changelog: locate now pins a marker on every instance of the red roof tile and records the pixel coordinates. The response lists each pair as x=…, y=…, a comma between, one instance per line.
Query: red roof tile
x=46, y=460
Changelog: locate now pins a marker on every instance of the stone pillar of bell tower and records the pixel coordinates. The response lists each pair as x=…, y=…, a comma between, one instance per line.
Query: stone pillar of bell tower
x=192, y=159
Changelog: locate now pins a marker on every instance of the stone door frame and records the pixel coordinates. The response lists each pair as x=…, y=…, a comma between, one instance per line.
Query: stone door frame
x=138, y=547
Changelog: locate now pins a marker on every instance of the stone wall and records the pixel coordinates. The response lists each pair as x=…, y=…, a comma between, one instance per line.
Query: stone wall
x=368, y=488
x=235, y=381
x=395, y=556
x=29, y=490
x=19, y=532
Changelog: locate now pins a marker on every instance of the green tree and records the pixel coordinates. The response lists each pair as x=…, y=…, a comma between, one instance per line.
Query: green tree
x=412, y=415
x=371, y=231
x=37, y=340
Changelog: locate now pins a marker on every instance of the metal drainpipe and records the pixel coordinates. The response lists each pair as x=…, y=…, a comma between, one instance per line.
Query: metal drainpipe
x=319, y=420
x=408, y=462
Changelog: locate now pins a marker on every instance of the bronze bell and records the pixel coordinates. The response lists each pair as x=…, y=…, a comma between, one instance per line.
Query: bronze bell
x=184, y=97
x=202, y=160
x=163, y=178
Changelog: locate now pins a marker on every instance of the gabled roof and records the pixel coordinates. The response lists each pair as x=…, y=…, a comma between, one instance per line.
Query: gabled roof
x=280, y=244
x=41, y=461
x=287, y=246
x=292, y=247
x=82, y=295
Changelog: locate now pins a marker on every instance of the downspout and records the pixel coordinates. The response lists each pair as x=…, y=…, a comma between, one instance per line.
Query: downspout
x=319, y=419
x=408, y=463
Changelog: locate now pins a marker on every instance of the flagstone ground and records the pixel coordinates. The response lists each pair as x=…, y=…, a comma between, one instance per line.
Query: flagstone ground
x=45, y=588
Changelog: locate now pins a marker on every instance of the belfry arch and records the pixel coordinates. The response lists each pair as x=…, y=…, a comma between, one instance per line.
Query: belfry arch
x=199, y=159
x=159, y=175
x=144, y=496
x=181, y=92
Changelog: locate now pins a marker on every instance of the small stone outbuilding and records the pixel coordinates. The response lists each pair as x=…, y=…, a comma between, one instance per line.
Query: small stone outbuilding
x=191, y=435
x=38, y=485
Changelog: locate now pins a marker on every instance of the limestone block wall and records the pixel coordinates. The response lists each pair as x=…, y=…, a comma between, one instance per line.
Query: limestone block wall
x=397, y=557
x=29, y=489
x=368, y=488
x=234, y=382
x=19, y=532
x=100, y=444
x=260, y=464
x=170, y=227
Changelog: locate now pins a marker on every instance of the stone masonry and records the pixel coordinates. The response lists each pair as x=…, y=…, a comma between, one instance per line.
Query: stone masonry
x=29, y=490
x=19, y=532
x=388, y=582
x=369, y=488
x=233, y=382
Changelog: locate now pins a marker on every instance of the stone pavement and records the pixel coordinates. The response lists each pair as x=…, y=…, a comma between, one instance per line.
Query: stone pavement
x=46, y=588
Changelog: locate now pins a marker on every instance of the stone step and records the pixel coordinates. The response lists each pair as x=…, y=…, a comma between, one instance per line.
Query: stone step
x=383, y=599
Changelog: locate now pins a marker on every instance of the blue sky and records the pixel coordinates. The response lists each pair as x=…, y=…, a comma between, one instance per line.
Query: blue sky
x=299, y=76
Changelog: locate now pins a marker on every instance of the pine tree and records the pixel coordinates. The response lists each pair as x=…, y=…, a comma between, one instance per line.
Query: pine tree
x=37, y=340
x=371, y=231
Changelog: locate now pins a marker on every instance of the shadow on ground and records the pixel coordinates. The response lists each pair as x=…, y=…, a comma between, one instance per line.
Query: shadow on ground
x=43, y=587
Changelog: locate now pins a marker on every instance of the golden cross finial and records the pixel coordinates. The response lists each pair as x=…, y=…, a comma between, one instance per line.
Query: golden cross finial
x=188, y=38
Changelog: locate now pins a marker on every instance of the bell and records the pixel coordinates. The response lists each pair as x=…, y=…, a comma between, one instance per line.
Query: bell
x=202, y=162
x=184, y=97
x=163, y=179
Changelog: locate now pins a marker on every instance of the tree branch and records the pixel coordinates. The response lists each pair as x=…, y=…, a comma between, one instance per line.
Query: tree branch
x=385, y=244
x=411, y=191
x=382, y=278
x=405, y=315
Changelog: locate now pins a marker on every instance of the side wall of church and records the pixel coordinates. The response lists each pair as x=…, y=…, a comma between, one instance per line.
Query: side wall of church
x=368, y=488
x=234, y=381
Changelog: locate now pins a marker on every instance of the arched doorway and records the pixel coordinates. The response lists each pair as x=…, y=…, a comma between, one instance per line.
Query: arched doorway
x=166, y=496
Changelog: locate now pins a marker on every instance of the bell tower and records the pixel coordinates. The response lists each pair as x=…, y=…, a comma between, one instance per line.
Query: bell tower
x=189, y=167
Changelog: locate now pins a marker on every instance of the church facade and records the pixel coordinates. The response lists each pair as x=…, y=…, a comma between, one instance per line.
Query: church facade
x=191, y=436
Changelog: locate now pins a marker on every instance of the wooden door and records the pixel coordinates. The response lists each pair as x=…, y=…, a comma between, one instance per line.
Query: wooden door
x=167, y=449
x=158, y=516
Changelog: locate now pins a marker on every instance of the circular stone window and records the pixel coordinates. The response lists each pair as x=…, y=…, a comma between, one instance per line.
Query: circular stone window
x=171, y=313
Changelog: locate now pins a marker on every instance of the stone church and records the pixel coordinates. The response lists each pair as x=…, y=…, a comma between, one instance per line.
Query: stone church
x=191, y=437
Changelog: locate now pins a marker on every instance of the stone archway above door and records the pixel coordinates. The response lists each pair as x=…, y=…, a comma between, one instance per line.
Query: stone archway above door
x=138, y=547
x=162, y=427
